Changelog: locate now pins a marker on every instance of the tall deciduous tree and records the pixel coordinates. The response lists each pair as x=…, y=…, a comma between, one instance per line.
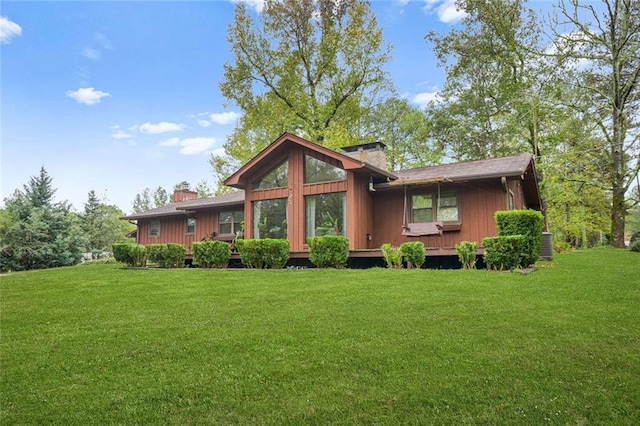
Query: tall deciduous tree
x=311, y=67
x=102, y=225
x=604, y=43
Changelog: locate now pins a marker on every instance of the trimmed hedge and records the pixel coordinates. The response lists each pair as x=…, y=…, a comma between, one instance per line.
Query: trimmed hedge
x=134, y=255
x=168, y=255
x=467, y=251
x=414, y=253
x=211, y=254
x=264, y=253
x=503, y=253
x=328, y=251
x=529, y=224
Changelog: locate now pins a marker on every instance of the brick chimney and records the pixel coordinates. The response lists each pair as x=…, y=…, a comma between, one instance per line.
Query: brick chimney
x=372, y=153
x=180, y=195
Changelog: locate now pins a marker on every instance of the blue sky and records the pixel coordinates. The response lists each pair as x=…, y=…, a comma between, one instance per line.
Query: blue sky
x=119, y=96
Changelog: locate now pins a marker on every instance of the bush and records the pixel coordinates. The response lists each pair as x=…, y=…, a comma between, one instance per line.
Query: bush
x=392, y=256
x=529, y=224
x=122, y=252
x=503, y=252
x=635, y=246
x=276, y=252
x=134, y=255
x=211, y=254
x=413, y=252
x=250, y=253
x=328, y=251
x=561, y=246
x=467, y=251
x=634, y=237
x=167, y=255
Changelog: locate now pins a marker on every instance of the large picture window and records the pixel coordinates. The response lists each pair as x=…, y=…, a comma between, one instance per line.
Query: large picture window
x=270, y=218
x=435, y=208
x=318, y=171
x=276, y=178
x=326, y=214
x=230, y=222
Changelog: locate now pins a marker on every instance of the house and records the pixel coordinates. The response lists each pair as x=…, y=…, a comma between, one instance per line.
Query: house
x=295, y=189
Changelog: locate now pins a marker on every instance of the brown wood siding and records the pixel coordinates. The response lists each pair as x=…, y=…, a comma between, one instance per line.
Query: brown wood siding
x=477, y=204
x=172, y=230
x=359, y=212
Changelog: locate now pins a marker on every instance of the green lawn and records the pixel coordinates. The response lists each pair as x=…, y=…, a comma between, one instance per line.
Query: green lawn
x=102, y=345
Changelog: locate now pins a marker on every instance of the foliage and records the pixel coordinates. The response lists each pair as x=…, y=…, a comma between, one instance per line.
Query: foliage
x=122, y=253
x=251, y=253
x=276, y=252
x=211, y=254
x=414, y=253
x=600, y=49
x=134, y=255
x=635, y=246
x=392, y=256
x=467, y=251
x=168, y=255
x=36, y=232
x=529, y=224
x=312, y=67
x=561, y=246
x=328, y=251
x=102, y=225
x=503, y=253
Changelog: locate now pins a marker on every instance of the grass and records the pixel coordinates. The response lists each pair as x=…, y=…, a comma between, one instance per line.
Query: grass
x=102, y=345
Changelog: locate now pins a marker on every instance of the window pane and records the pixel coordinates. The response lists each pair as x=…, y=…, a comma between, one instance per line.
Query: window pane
x=270, y=218
x=326, y=214
x=154, y=228
x=422, y=208
x=422, y=215
x=318, y=171
x=448, y=209
x=421, y=201
x=191, y=225
x=276, y=178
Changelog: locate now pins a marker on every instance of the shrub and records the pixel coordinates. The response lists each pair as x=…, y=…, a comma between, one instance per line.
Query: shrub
x=122, y=252
x=635, y=246
x=328, y=251
x=634, y=237
x=561, y=246
x=250, y=253
x=529, y=224
x=392, y=256
x=503, y=252
x=275, y=252
x=138, y=255
x=413, y=252
x=211, y=254
x=467, y=251
x=167, y=255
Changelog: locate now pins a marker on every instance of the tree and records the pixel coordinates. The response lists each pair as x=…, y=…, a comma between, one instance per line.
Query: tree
x=204, y=190
x=102, y=225
x=37, y=233
x=405, y=131
x=309, y=67
x=498, y=96
x=143, y=201
x=603, y=45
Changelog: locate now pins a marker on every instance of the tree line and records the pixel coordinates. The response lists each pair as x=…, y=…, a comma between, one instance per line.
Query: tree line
x=563, y=88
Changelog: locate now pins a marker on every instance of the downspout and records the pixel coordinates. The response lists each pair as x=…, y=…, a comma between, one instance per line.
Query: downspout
x=505, y=187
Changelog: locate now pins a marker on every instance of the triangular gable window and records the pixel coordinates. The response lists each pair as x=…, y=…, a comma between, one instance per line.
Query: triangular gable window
x=319, y=171
x=276, y=178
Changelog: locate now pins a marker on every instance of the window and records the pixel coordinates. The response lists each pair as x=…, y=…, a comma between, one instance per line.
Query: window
x=276, y=178
x=154, y=228
x=318, y=171
x=326, y=214
x=190, y=227
x=270, y=218
x=434, y=208
x=230, y=222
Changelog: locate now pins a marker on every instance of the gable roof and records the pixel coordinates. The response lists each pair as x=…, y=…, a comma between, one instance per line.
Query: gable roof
x=239, y=178
x=181, y=208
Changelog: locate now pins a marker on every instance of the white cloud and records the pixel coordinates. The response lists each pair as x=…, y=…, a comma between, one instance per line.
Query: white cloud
x=447, y=10
x=90, y=53
x=224, y=117
x=423, y=99
x=119, y=134
x=203, y=123
x=258, y=5
x=87, y=95
x=103, y=41
x=157, y=128
x=8, y=30
x=191, y=146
